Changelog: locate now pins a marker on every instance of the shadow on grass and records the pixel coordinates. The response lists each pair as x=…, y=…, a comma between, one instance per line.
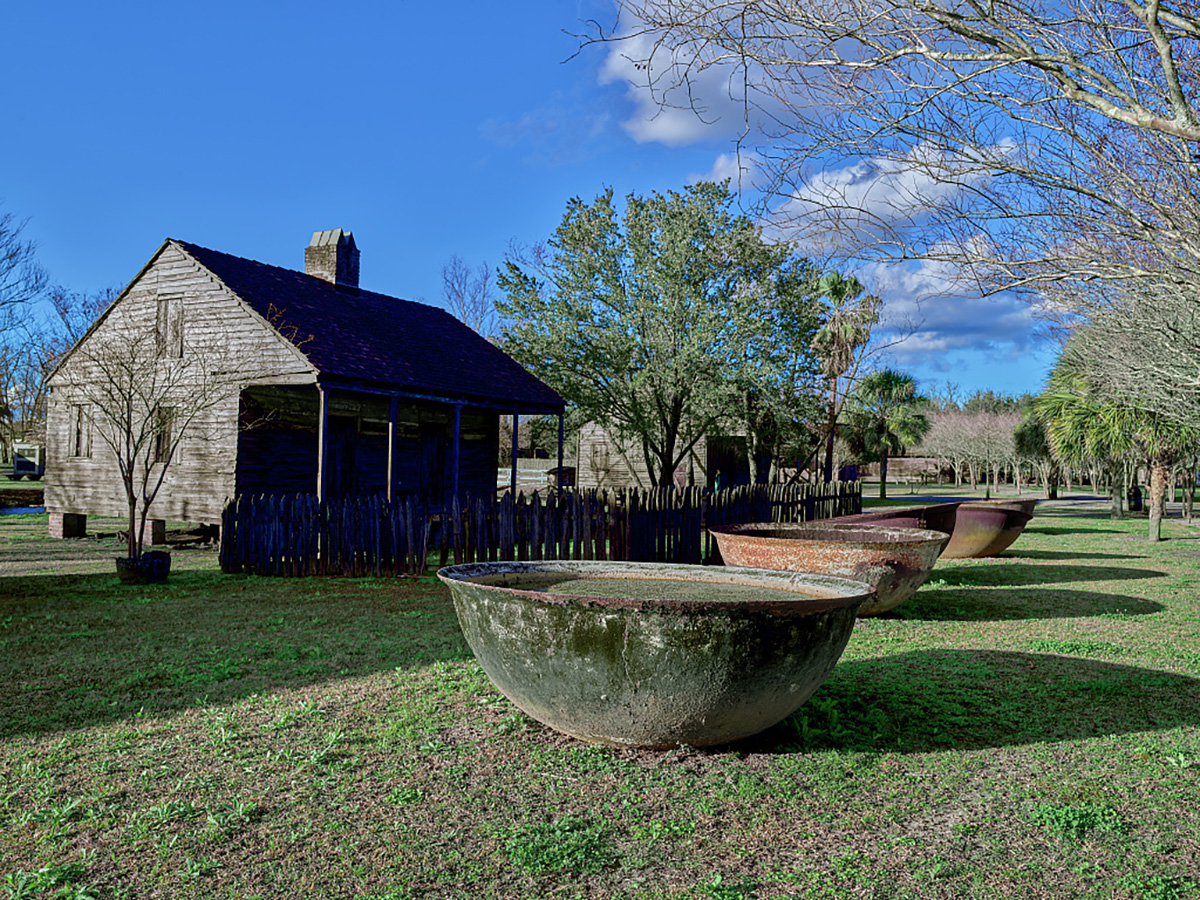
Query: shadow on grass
x=1013, y=573
x=1018, y=553
x=77, y=651
x=1053, y=529
x=932, y=700
x=1030, y=603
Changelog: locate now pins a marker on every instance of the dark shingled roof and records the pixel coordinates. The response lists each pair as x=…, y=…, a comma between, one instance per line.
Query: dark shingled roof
x=369, y=337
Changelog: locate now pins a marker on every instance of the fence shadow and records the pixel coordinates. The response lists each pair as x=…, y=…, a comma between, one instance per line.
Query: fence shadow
x=1054, y=529
x=1021, y=553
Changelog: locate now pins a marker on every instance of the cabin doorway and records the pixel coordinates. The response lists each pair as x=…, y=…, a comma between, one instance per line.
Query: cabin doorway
x=341, y=456
x=431, y=483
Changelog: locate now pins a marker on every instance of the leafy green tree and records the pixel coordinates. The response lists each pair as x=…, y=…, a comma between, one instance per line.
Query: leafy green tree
x=1081, y=428
x=777, y=378
x=991, y=402
x=883, y=417
x=661, y=322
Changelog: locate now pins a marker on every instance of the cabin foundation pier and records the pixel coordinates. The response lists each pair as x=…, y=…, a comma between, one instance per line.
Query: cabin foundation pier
x=67, y=525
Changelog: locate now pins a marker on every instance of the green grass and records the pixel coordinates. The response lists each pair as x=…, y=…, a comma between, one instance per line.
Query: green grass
x=1023, y=726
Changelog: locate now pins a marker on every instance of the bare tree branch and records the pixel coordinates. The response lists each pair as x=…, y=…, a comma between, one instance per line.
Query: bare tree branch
x=470, y=295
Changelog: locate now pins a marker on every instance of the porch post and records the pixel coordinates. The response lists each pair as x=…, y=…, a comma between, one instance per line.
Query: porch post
x=393, y=409
x=454, y=450
x=512, y=481
x=560, y=451
x=322, y=442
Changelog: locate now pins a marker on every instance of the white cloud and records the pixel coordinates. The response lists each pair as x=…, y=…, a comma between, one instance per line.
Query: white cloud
x=675, y=103
x=742, y=170
x=930, y=310
x=883, y=199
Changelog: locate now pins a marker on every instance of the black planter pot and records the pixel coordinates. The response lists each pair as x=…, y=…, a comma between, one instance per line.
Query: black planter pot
x=152, y=568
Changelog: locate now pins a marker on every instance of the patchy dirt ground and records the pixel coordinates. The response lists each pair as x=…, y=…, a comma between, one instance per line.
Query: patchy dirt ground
x=27, y=549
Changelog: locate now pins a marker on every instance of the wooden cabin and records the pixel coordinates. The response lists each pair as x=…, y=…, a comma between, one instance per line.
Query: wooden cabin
x=715, y=461
x=339, y=390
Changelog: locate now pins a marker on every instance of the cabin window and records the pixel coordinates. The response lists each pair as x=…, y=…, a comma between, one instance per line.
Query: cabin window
x=164, y=422
x=80, y=440
x=169, y=326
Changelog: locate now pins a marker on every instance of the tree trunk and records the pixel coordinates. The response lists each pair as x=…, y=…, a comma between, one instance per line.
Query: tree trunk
x=1188, y=495
x=883, y=463
x=132, y=542
x=831, y=425
x=1116, y=491
x=1158, y=492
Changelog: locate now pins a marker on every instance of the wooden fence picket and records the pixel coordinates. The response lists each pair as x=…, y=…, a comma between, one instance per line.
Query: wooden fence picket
x=294, y=534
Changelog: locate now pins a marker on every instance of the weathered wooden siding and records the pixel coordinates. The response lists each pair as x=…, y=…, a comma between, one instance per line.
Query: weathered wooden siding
x=201, y=477
x=606, y=463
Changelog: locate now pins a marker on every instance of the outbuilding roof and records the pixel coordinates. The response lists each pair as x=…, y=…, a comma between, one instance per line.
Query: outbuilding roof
x=364, y=337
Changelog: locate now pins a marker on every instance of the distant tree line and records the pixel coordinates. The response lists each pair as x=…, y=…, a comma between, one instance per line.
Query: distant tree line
x=39, y=322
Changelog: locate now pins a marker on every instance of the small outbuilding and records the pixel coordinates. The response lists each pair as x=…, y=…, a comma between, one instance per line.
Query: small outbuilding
x=340, y=390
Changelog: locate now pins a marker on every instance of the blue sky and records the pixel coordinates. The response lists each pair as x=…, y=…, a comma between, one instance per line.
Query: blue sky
x=426, y=129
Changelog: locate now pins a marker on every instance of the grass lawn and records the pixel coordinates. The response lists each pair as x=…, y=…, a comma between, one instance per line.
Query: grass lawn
x=1026, y=726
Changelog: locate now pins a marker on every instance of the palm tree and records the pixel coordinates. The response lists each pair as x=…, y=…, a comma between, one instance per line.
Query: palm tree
x=845, y=331
x=1082, y=424
x=1081, y=429
x=883, y=419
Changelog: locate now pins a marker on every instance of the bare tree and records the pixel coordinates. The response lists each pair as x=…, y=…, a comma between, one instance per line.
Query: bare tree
x=75, y=313
x=947, y=440
x=1026, y=144
x=1141, y=342
x=31, y=347
x=22, y=280
x=21, y=277
x=994, y=443
x=981, y=442
x=470, y=295
x=140, y=402
x=971, y=107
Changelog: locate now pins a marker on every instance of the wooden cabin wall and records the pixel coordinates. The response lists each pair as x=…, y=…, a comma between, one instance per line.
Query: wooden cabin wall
x=605, y=462
x=211, y=322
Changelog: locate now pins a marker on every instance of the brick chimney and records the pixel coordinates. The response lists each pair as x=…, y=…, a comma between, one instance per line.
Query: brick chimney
x=332, y=256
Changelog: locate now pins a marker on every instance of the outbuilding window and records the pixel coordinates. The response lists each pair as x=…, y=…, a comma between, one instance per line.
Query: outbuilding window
x=169, y=326
x=80, y=438
x=164, y=422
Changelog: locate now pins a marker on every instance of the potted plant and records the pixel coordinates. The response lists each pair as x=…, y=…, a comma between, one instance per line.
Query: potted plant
x=149, y=567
